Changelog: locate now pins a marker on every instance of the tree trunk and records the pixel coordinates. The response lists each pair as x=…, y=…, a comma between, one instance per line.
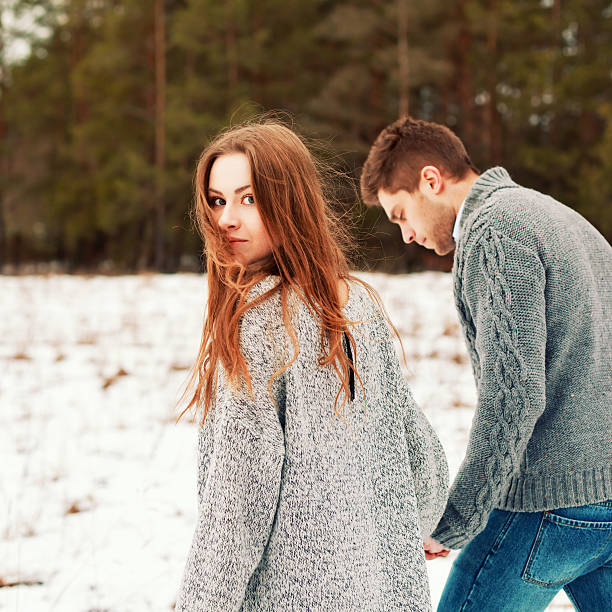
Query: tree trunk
x=230, y=45
x=160, y=132
x=464, y=75
x=3, y=144
x=555, y=73
x=402, y=56
x=492, y=118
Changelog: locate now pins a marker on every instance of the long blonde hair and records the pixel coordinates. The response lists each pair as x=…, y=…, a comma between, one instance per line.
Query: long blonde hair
x=306, y=255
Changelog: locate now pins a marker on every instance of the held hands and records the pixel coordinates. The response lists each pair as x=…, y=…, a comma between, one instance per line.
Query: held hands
x=434, y=549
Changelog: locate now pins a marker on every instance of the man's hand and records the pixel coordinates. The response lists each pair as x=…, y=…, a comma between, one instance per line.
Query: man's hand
x=434, y=549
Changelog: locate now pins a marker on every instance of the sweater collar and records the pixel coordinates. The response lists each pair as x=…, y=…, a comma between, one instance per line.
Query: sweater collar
x=488, y=182
x=456, y=227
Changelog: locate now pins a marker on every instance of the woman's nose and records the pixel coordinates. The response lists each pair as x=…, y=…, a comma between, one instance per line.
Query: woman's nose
x=229, y=218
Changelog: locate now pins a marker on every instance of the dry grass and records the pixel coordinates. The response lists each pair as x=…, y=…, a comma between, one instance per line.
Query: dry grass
x=74, y=508
x=451, y=329
x=87, y=339
x=13, y=583
x=120, y=373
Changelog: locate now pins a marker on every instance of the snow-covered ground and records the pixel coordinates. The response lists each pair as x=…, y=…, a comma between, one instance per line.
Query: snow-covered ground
x=97, y=481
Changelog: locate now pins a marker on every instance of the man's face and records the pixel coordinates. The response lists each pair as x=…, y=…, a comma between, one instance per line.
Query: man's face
x=423, y=220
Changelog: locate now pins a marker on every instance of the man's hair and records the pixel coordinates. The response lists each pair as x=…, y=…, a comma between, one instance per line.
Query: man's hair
x=403, y=149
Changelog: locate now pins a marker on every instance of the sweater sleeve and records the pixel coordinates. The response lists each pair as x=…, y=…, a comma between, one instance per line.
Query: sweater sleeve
x=239, y=494
x=428, y=464
x=429, y=468
x=502, y=291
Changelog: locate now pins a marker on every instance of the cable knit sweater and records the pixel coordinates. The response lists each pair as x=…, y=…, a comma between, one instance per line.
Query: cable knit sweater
x=533, y=287
x=297, y=511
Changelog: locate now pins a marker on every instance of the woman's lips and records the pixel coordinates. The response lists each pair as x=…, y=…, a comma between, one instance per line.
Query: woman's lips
x=236, y=240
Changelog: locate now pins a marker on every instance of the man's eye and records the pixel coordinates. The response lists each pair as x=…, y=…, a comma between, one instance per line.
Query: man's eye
x=248, y=199
x=217, y=202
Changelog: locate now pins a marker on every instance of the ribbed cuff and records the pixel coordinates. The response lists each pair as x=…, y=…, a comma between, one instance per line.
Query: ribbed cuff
x=549, y=492
x=447, y=534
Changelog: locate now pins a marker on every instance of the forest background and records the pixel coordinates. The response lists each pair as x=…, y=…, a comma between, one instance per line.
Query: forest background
x=103, y=118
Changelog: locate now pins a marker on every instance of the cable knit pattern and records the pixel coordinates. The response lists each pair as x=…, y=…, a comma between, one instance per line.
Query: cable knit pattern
x=533, y=289
x=298, y=511
x=509, y=376
x=478, y=228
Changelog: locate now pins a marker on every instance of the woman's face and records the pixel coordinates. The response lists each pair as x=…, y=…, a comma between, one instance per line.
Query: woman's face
x=230, y=196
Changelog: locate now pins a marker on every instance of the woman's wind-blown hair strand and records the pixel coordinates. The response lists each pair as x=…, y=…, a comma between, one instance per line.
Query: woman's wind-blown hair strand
x=306, y=255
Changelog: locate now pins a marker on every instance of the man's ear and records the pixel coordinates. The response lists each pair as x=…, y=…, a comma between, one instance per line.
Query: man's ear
x=432, y=181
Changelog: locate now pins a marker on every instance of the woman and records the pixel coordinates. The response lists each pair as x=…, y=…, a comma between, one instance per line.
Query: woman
x=318, y=474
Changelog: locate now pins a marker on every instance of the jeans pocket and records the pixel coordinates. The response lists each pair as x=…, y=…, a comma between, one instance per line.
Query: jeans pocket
x=603, y=504
x=564, y=549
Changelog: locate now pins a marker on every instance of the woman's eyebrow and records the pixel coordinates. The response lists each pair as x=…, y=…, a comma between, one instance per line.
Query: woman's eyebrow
x=211, y=190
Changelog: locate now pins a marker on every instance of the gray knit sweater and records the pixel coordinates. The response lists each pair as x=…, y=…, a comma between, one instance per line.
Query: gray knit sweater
x=298, y=512
x=533, y=287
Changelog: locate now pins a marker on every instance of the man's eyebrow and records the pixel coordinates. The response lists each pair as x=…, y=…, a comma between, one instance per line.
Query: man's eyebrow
x=211, y=190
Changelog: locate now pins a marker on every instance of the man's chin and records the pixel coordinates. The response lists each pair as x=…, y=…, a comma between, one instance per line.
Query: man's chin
x=441, y=251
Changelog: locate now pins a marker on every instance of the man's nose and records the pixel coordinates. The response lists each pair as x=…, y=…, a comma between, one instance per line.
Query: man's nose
x=408, y=234
x=229, y=218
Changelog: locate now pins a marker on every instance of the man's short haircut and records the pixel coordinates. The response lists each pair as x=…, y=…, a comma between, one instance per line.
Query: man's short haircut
x=403, y=149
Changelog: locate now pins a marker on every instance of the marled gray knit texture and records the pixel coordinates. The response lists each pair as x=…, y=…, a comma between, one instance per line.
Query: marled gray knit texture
x=533, y=287
x=317, y=517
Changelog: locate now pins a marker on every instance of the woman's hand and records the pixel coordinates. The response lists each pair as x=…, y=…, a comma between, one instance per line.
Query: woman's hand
x=434, y=549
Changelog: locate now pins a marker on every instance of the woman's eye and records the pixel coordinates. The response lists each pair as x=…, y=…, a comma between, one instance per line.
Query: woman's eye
x=217, y=202
x=248, y=199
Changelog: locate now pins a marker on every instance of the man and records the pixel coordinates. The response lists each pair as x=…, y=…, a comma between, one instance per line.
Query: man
x=531, y=505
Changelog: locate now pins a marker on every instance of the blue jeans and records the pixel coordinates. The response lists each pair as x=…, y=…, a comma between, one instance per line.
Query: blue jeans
x=522, y=559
